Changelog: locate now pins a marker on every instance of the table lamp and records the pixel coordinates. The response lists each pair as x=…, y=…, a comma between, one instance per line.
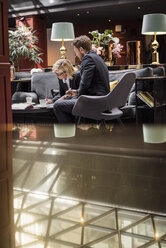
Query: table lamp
x=62, y=31
x=154, y=24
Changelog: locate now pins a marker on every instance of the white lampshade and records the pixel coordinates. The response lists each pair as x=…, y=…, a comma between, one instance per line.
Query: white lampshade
x=62, y=30
x=154, y=23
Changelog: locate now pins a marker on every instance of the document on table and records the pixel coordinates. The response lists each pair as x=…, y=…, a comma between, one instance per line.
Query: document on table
x=44, y=106
x=22, y=106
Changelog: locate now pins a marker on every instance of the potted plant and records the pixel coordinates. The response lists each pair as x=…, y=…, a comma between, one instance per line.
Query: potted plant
x=106, y=45
x=23, y=44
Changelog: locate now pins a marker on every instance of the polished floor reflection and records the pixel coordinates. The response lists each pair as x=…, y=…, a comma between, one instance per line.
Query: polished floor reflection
x=99, y=186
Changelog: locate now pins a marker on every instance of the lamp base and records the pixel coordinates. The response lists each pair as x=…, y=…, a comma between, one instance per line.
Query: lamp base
x=155, y=58
x=155, y=55
x=63, y=52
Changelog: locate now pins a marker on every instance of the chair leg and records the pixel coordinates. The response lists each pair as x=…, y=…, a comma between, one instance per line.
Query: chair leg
x=77, y=120
x=103, y=122
x=120, y=122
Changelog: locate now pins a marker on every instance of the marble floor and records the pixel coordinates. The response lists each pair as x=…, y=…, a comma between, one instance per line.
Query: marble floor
x=91, y=186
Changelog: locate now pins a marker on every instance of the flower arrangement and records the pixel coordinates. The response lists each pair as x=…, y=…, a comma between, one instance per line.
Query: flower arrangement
x=22, y=43
x=117, y=48
x=100, y=40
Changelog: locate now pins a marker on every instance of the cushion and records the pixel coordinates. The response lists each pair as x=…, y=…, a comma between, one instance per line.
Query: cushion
x=21, y=97
x=113, y=84
x=43, y=82
x=20, y=75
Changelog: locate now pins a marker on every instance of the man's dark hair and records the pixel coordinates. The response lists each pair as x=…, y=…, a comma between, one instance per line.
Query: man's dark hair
x=84, y=42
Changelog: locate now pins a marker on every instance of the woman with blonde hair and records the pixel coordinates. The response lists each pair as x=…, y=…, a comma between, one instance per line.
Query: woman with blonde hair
x=69, y=78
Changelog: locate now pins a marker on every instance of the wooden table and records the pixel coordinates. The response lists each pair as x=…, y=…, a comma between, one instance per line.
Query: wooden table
x=39, y=115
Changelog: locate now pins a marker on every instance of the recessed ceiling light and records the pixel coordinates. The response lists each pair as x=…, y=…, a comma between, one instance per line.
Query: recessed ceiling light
x=109, y=20
x=138, y=7
x=87, y=12
x=82, y=220
x=78, y=14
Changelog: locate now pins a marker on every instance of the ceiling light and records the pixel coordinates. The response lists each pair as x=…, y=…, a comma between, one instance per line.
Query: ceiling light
x=82, y=220
x=22, y=19
x=109, y=20
x=156, y=235
x=138, y=7
x=78, y=14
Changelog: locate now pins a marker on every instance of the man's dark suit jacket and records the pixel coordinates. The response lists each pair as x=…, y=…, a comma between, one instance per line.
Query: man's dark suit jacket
x=74, y=84
x=94, y=76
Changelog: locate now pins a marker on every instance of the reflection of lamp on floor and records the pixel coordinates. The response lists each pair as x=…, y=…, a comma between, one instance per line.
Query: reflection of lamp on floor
x=154, y=24
x=154, y=133
x=64, y=130
x=62, y=31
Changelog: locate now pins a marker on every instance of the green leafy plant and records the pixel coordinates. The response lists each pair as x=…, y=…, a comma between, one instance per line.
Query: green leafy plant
x=102, y=39
x=23, y=44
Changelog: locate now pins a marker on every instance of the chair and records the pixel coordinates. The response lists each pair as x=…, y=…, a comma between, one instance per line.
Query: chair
x=159, y=71
x=42, y=84
x=105, y=107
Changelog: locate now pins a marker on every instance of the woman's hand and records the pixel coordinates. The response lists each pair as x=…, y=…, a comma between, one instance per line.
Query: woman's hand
x=49, y=101
x=71, y=93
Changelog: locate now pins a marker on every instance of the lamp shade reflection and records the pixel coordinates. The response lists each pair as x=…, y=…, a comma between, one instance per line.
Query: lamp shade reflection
x=64, y=130
x=154, y=133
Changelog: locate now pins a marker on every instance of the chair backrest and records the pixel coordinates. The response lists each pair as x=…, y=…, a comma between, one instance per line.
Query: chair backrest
x=21, y=75
x=118, y=96
x=93, y=106
x=43, y=82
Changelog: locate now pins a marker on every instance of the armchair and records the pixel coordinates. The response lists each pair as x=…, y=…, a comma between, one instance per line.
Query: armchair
x=41, y=85
x=105, y=107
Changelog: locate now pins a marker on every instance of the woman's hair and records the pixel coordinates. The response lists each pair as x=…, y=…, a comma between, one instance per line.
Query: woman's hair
x=84, y=42
x=65, y=66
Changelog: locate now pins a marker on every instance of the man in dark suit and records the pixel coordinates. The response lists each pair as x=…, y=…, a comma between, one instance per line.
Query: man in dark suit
x=94, y=79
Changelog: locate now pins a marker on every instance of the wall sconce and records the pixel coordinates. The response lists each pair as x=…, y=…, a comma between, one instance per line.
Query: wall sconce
x=62, y=31
x=154, y=24
x=118, y=28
